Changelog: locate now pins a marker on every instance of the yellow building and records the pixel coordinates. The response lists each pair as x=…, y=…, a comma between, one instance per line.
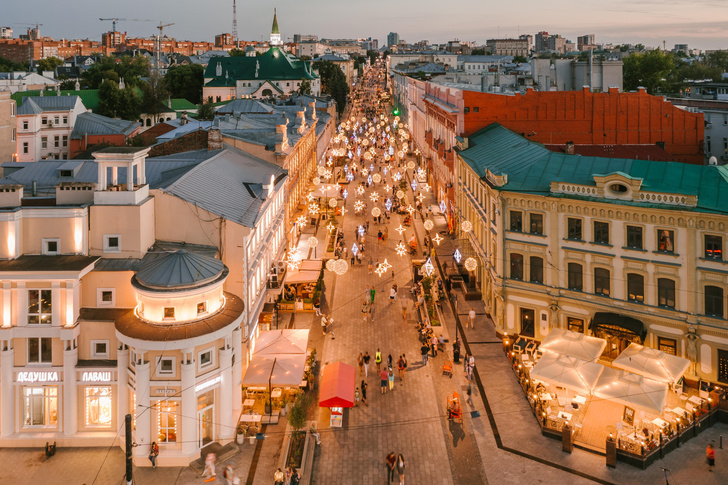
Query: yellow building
x=626, y=250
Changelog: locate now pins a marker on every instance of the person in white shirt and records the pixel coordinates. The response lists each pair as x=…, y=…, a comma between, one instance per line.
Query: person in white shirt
x=324, y=322
x=471, y=318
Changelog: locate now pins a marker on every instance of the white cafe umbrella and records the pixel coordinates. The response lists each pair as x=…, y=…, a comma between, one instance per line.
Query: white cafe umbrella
x=631, y=390
x=574, y=344
x=279, y=342
x=652, y=363
x=565, y=371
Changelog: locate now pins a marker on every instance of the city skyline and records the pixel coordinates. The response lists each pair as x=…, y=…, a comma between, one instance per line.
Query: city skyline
x=464, y=21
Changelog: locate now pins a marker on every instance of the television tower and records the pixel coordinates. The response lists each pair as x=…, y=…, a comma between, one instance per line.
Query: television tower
x=235, y=25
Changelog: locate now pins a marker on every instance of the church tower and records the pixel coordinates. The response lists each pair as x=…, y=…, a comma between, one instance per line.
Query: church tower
x=275, y=34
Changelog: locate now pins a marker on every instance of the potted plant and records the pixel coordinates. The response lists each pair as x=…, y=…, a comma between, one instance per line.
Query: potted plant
x=252, y=432
x=284, y=404
x=240, y=434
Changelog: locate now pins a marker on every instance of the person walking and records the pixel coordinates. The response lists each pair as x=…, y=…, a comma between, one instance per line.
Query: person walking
x=471, y=318
x=400, y=368
x=209, y=472
x=465, y=362
x=324, y=322
x=433, y=345
x=424, y=350
x=389, y=360
x=383, y=380
x=710, y=457
x=229, y=474
x=370, y=266
x=366, y=360
x=365, y=310
x=364, y=393
x=154, y=453
x=360, y=360
x=372, y=293
x=469, y=392
x=279, y=477
x=471, y=366
x=403, y=302
x=295, y=477
x=391, y=461
x=400, y=466
x=392, y=294
x=317, y=306
x=357, y=397
x=378, y=360
x=390, y=377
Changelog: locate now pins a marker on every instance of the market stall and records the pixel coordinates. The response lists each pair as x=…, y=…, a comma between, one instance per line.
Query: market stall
x=337, y=390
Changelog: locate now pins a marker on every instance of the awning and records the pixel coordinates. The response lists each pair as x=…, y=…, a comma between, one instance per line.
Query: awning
x=281, y=342
x=298, y=277
x=569, y=372
x=574, y=344
x=275, y=370
x=337, y=386
x=631, y=390
x=652, y=363
x=618, y=324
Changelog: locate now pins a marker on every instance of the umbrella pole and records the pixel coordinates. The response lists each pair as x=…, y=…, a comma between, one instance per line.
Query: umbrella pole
x=270, y=390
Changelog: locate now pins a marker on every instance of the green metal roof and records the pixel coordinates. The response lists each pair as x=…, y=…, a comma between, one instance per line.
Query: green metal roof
x=531, y=168
x=273, y=65
x=89, y=97
x=181, y=104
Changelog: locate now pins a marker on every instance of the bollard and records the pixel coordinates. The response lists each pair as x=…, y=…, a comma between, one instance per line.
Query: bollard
x=721, y=442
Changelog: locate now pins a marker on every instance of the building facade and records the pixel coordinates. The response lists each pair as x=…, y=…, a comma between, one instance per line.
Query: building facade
x=8, y=128
x=508, y=47
x=44, y=127
x=626, y=250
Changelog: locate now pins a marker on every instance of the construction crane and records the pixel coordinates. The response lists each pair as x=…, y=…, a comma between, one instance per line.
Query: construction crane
x=115, y=20
x=159, y=44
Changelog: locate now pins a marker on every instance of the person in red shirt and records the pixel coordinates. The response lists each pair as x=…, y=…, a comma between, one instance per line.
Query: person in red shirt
x=710, y=455
x=384, y=377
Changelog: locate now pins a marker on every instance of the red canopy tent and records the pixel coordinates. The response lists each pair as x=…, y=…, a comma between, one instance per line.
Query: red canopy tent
x=337, y=386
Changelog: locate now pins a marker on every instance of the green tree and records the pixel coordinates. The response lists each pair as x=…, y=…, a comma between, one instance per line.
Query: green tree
x=154, y=95
x=48, y=64
x=185, y=82
x=373, y=56
x=478, y=52
x=650, y=70
x=206, y=111
x=236, y=52
x=520, y=59
x=333, y=82
x=305, y=87
x=718, y=59
x=112, y=68
x=6, y=65
x=297, y=416
x=118, y=103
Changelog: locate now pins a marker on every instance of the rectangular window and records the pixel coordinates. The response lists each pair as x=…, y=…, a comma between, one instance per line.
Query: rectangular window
x=714, y=301
x=44, y=142
x=169, y=312
x=666, y=240
x=98, y=407
x=105, y=297
x=576, y=277
x=65, y=120
x=666, y=292
x=575, y=324
x=166, y=366
x=535, y=223
x=100, y=349
x=40, y=406
x=714, y=247
x=634, y=237
x=536, y=269
x=40, y=306
x=516, y=221
x=25, y=147
x=723, y=365
x=517, y=266
x=65, y=140
x=51, y=247
x=636, y=287
x=601, y=232
x=112, y=243
x=667, y=345
x=44, y=121
x=574, y=229
x=57, y=120
x=25, y=125
x=601, y=281
x=40, y=350
x=202, y=307
x=56, y=141
x=528, y=318
x=14, y=134
x=205, y=358
x=168, y=412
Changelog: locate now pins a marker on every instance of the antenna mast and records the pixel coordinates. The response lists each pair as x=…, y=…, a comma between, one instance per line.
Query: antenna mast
x=235, y=25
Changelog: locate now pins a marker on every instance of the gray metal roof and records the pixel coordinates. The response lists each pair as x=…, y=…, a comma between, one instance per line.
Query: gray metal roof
x=230, y=185
x=29, y=108
x=245, y=106
x=50, y=103
x=95, y=124
x=179, y=269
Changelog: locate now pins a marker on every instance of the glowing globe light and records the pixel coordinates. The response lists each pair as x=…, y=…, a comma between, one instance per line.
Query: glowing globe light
x=312, y=242
x=429, y=225
x=466, y=226
x=377, y=178
x=411, y=164
x=400, y=194
x=333, y=202
x=376, y=212
x=471, y=264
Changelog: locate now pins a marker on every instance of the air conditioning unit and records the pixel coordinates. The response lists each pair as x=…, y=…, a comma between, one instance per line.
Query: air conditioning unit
x=50, y=124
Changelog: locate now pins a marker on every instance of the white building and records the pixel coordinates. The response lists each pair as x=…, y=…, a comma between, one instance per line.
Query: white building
x=45, y=124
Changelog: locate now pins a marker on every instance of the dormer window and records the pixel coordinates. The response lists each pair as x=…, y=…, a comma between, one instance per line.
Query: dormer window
x=66, y=173
x=618, y=189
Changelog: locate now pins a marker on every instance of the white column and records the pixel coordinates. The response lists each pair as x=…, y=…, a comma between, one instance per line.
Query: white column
x=114, y=175
x=237, y=382
x=227, y=427
x=130, y=177
x=70, y=389
x=188, y=420
x=7, y=304
x=22, y=308
x=7, y=394
x=56, y=303
x=122, y=385
x=142, y=412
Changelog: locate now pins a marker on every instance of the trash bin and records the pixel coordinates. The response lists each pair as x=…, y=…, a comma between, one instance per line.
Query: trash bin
x=611, y=451
x=567, y=438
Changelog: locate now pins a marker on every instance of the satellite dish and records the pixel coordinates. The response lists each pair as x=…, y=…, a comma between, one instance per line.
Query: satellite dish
x=712, y=161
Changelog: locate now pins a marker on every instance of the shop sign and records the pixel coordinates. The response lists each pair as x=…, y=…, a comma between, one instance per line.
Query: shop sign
x=96, y=376
x=206, y=384
x=47, y=376
x=165, y=391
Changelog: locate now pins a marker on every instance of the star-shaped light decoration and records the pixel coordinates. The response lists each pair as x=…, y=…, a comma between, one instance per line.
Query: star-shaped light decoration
x=387, y=188
x=343, y=210
x=360, y=190
x=353, y=166
x=349, y=176
x=420, y=173
x=457, y=256
x=388, y=204
x=443, y=207
x=385, y=265
x=428, y=267
x=370, y=180
x=380, y=270
x=336, y=186
x=420, y=197
x=345, y=193
x=400, y=249
x=327, y=174
x=374, y=197
x=329, y=163
x=359, y=205
x=385, y=170
x=364, y=171
x=310, y=197
x=313, y=209
x=410, y=209
x=354, y=249
x=330, y=227
x=413, y=185
x=437, y=238
x=361, y=230
x=400, y=229
x=301, y=221
x=426, y=187
x=397, y=176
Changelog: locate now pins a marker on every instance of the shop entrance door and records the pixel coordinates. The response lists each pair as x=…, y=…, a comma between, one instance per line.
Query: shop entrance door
x=205, y=428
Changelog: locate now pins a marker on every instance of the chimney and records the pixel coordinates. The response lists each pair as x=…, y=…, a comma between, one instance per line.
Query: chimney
x=301, y=121
x=214, y=138
x=312, y=105
x=281, y=130
x=569, y=147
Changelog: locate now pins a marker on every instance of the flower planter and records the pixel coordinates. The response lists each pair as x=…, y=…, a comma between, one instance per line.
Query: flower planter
x=240, y=438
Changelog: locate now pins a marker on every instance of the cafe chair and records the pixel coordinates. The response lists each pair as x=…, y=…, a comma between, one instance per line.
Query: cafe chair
x=447, y=369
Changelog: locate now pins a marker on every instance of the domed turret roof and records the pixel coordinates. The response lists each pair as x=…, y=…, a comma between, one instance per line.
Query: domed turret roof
x=178, y=270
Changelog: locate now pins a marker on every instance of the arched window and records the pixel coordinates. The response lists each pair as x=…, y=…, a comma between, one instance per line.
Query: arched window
x=267, y=92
